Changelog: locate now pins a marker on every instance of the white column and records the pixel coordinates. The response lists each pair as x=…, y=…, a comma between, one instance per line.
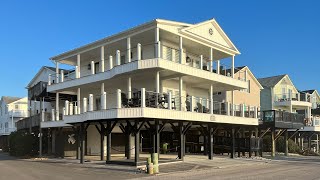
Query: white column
x=119, y=102
x=128, y=49
x=129, y=88
x=49, y=80
x=143, y=97
x=218, y=66
x=180, y=92
x=102, y=88
x=84, y=106
x=71, y=108
x=290, y=107
x=78, y=67
x=57, y=72
x=255, y=112
x=158, y=82
x=66, y=107
x=102, y=59
x=156, y=41
x=227, y=108
x=138, y=51
x=159, y=49
x=75, y=109
x=118, y=56
x=232, y=67
x=180, y=50
x=232, y=103
x=211, y=99
x=242, y=110
x=52, y=115
x=104, y=101
x=79, y=100
x=110, y=62
x=298, y=96
x=61, y=76
x=211, y=60
x=173, y=55
x=201, y=61
x=92, y=67
x=57, y=106
x=90, y=102
x=64, y=112
x=191, y=103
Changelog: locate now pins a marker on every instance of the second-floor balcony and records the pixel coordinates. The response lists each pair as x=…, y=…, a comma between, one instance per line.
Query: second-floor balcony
x=299, y=100
x=18, y=113
x=6, y=131
x=148, y=104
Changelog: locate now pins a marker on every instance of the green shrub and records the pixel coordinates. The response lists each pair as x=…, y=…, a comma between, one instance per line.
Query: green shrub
x=280, y=145
x=23, y=144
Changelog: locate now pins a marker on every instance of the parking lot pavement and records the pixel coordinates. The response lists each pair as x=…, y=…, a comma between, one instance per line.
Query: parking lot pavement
x=194, y=167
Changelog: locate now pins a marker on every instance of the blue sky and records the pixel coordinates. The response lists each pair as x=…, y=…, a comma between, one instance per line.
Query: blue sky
x=274, y=37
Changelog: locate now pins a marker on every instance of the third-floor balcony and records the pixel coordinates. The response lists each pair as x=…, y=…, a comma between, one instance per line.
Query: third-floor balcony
x=18, y=113
x=89, y=68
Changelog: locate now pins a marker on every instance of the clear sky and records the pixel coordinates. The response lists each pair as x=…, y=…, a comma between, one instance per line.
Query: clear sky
x=274, y=37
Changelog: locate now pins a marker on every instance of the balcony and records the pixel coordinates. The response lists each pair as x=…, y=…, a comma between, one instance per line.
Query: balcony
x=148, y=104
x=281, y=119
x=145, y=56
x=33, y=121
x=296, y=100
x=18, y=113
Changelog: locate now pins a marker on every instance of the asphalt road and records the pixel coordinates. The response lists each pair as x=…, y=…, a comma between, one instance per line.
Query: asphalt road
x=17, y=169
x=221, y=168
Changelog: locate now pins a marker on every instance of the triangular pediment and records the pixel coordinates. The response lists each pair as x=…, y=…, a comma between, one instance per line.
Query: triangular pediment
x=210, y=31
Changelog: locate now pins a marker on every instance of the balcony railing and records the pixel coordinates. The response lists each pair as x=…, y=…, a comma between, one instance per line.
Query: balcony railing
x=33, y=121
x=18, y=113
x=291, y=97
x=144, y=52
x=283, y=119
x=150, y=99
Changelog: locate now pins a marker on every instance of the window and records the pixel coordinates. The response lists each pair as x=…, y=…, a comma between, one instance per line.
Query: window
x=16, y=107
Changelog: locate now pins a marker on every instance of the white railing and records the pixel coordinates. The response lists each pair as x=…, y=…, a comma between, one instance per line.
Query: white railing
x=7, y=131
x=142, y=98
x=160, y=51
x=18, y=113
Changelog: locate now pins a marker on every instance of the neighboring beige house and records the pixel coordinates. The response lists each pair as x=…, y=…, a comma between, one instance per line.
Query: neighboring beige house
x=279, y=93
x=250, y=96
x=314, y=96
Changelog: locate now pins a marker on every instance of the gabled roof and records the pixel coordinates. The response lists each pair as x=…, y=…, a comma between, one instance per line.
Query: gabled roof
x=309, y=91
x=53, y=69
x=184, y=28
x=271, y=81
x=9, y=99
x=193, y=31
x=237, y=69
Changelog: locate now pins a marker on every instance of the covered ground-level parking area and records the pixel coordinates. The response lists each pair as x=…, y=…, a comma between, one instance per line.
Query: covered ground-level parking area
x=128, y=141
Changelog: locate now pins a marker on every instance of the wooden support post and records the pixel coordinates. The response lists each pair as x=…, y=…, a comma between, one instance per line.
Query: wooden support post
x=286, y=151
x=256, y=135
x=181, y=143
x=210, y=141
x=233, y=141
x=273, y=142
x=250, y=145
x=102, y=134
x=137, y=143
x=109, y=130
x=81, y=143
x=157, y=137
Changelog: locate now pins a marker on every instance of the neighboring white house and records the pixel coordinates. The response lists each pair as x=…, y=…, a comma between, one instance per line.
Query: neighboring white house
x=12, y=109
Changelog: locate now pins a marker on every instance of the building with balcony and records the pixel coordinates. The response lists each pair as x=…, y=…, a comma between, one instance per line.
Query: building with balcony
x=279, y=93
x=12, y=109
x=151, y=85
